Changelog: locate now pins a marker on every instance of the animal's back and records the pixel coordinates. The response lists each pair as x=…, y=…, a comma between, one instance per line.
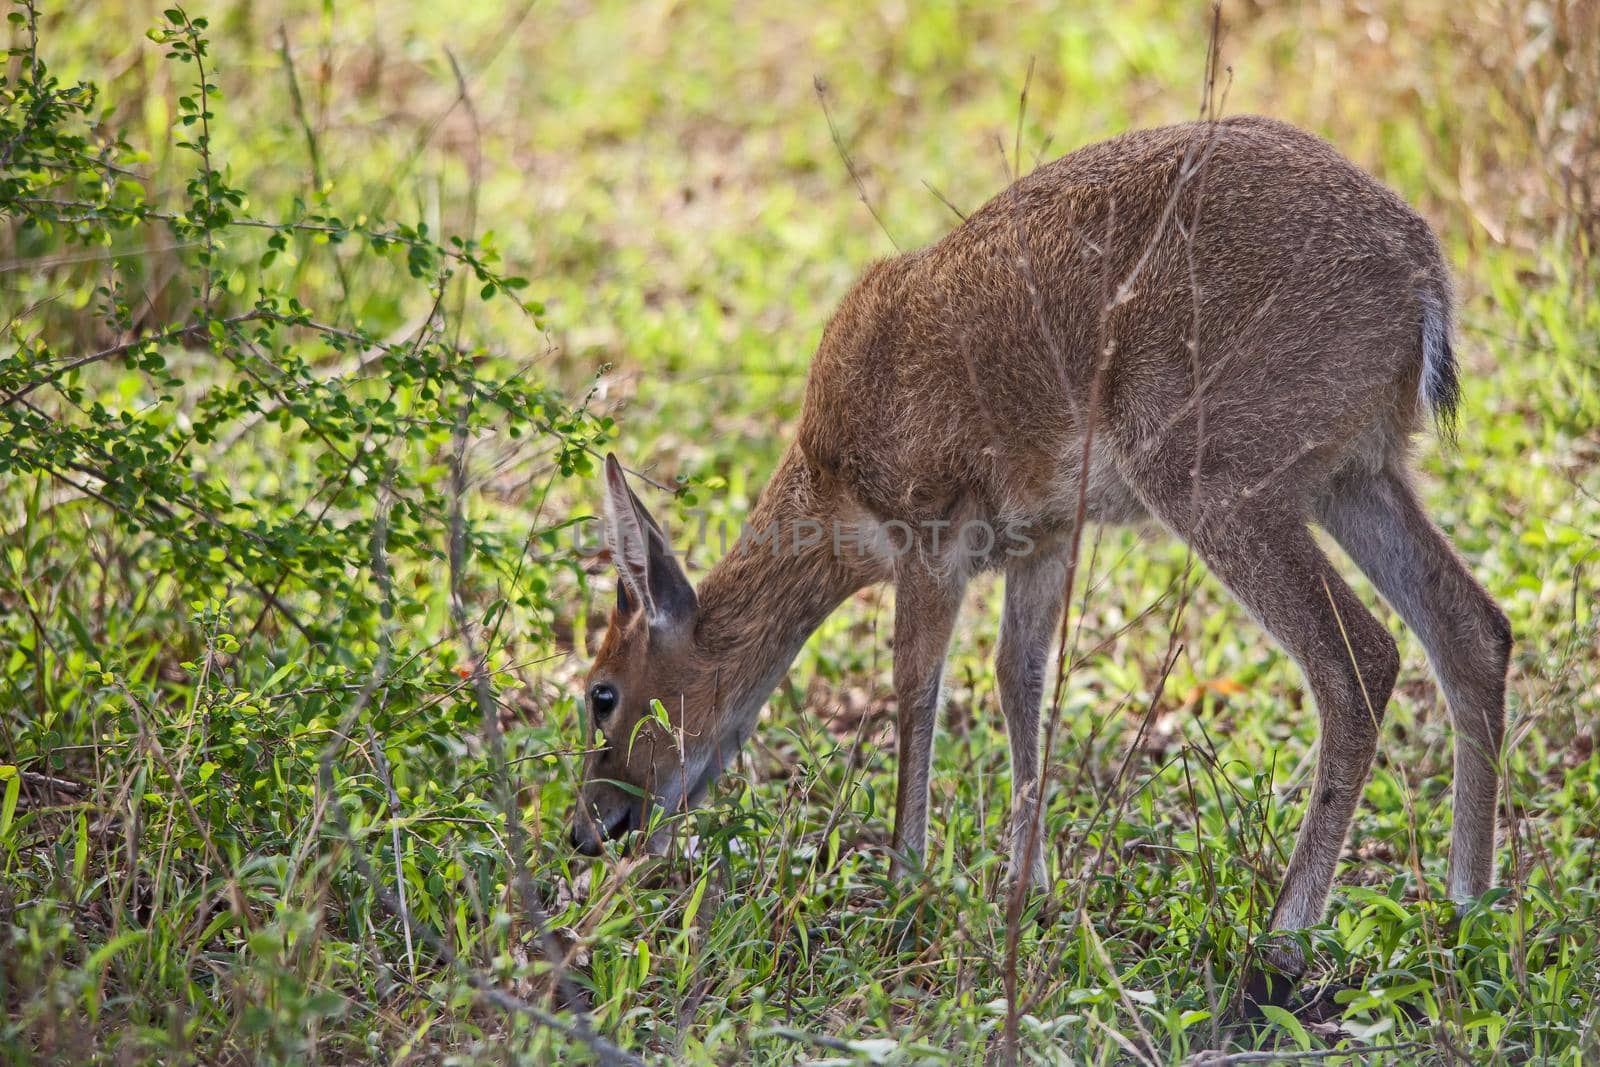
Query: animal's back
x=1236, y=282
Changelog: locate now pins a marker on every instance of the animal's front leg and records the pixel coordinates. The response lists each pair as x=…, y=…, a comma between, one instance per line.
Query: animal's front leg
x=926, y=606
x=1035, y=588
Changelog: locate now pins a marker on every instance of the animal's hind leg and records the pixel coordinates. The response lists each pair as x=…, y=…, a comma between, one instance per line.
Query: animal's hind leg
x=1262, y=550
x=1379, y=522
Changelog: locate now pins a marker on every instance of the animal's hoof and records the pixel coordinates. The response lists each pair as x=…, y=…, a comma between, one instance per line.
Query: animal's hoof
x=1036, y=904
x=1037, y=881
x=906, y=867
x=1279, y=966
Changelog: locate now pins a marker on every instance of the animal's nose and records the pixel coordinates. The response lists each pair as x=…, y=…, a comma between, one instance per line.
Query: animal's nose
x=588, y=834
x=584, y=838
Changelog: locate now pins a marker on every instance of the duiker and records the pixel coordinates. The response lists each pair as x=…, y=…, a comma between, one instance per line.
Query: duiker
x=1224, y=326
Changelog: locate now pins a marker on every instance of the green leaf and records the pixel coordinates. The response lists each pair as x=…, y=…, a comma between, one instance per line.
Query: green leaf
x=1286, y=1021
x=80, y=852
x=8, y=808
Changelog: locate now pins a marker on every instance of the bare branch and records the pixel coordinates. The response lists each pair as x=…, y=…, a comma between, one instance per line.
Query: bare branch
x=849, y=164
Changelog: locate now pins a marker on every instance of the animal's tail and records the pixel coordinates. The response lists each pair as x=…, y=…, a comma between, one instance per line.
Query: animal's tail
x=1439, y=388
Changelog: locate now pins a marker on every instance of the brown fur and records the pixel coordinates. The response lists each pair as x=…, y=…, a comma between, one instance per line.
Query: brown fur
x=1233, y=316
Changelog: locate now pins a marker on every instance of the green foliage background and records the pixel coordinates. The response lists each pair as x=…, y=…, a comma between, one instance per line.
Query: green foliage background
x=315, y=317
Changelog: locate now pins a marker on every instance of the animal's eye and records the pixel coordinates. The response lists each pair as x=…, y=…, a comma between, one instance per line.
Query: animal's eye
x=602, y=700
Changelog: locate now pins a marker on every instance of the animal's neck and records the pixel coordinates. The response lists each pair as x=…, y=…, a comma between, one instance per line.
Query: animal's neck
x=781, y=579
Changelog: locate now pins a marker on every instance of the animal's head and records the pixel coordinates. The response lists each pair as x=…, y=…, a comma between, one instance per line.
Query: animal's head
x=649, y=697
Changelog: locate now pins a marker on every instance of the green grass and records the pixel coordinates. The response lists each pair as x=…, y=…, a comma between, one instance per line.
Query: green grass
x=665, y=178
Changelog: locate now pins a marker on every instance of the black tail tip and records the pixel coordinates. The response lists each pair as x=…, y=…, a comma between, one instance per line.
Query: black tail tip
x=1444, y=392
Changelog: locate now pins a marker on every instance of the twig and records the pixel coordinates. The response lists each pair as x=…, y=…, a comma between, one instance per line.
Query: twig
x=800, y=1037
x=1022, y=113
x=21, y=392
x=849, y=164
x=517, y=841
x=381, y=761
x=312, y=149
x=60, y=785
x=945, y=200
x=1223, y=1059
x=1115, y=292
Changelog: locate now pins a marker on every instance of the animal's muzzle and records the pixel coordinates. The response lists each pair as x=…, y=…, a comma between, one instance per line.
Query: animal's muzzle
x=589, y=833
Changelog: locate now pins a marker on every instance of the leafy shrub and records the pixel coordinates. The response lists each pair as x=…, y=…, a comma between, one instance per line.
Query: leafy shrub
x=298, y=476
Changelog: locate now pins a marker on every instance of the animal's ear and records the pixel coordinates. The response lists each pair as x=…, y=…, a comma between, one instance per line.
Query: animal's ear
x=649, y=577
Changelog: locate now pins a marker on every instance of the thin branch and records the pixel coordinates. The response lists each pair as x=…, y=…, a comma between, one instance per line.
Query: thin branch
x=483, y=691
x=381, y=761
x=1225, y=1059
x=945, y=200
x=21, y=392
x=312, y=149
x=849, y=164
x=1022, y=113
